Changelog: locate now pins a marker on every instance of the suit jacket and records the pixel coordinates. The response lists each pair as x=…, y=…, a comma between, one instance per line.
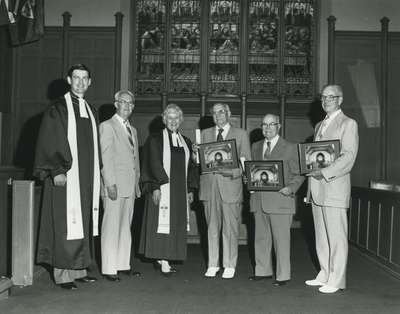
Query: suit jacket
x=230, y=187
x=120, y=164
x=274, y=202
x=335, y=189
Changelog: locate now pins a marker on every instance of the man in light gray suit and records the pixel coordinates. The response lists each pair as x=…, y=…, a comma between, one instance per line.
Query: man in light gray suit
x=120, y=187
x=274, y=210
x=330, y=189
x=221, y=193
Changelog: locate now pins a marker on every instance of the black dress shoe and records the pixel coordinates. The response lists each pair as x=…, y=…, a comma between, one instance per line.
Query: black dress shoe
x=279, y=283
x=114, y=278
x=173, y=270
x=86, y=279
x=258, y=278
x=130, y=273
x=69, y=286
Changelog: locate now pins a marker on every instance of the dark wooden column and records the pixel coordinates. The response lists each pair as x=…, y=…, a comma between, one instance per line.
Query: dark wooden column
x=331, y=49
x=282, y=114
x=244, y=113
x=65, y=46
x=204, y=55
x=117, y=51
x=384, y=95
x=243, y=73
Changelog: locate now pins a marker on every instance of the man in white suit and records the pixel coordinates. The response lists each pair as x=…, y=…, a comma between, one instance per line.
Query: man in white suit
x=120, y=182
x=330, y=189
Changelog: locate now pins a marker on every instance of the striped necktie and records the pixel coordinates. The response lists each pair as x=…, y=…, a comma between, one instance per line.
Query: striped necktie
x=128, y=128
x=267, y=152
x=219, y=136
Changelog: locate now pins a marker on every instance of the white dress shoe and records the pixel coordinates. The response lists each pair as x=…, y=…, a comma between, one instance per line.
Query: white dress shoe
x=328, y=289
x=211, y=271
x=314, y=283
x=228, y=273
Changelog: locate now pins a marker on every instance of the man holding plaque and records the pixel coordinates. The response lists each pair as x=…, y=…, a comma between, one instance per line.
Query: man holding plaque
x=221, y=193
x=329, y=190
x=274, y=210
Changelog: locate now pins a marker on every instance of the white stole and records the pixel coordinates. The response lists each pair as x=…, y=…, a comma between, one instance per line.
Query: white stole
x=164, y=206
x=74, y=210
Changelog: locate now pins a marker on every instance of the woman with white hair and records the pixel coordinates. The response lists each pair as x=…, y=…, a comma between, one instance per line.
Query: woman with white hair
x=168, y=178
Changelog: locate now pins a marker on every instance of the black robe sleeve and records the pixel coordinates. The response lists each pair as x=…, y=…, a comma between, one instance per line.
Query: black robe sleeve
x=152, y=174
x=53, y=155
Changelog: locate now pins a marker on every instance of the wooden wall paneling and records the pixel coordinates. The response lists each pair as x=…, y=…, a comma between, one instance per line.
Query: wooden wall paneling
x=385, y=229
x=393, y=149
x=373, y=227
x=363, y=223
x=117, y=51
x=384, y=95
x=384, y=226
x=331, y=49
x=357, y=64
x=395, y=258
x=354, y=205
x=37, y=83
x=94, y=46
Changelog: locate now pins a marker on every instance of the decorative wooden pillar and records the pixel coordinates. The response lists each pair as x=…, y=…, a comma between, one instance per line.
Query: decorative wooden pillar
x=244, y=114
x=164, y=101
x=282, y=114
x=203, y=97
x=204, y=55
x=117, y=51
x=65, y=46
x=384, y=95
x=331, y=49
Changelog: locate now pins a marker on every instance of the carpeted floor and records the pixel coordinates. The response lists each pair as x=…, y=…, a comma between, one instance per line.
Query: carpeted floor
x=370, y=290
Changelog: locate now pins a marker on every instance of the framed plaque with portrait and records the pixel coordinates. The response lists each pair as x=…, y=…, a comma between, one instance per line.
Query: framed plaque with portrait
x=317, y=155
x=264, y=175
x=216, y=156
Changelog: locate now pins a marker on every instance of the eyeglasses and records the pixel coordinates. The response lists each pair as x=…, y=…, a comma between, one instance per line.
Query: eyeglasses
x=328, y=97
x=269, y=125
x=222, y=111
x=124, y=102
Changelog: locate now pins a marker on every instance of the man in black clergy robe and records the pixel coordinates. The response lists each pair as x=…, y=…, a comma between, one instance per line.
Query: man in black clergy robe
x=67, y=160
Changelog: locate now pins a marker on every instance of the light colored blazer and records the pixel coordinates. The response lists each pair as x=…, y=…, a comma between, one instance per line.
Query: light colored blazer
x=120, y=164
x=230, y=187
x=274, y=202
x=335, y=189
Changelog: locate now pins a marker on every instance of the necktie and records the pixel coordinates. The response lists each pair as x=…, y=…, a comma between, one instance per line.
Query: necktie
x=267, y=152
x=128, y=128
x=219, y=136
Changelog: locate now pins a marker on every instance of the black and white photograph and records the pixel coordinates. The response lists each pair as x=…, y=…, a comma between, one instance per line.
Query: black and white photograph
x=264, y=175
x=218, y=155
x=318, y=155
x=199, y=156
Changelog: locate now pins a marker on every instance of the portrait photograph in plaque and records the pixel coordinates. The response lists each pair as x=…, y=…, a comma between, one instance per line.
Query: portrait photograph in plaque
x=264, y=175
x=317, y=155
x=216, y=156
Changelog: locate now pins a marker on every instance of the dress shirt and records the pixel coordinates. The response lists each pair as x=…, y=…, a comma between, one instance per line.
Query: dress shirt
x=225, y=132
x=123, y=123
x=325, y=123
x=273, y=143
